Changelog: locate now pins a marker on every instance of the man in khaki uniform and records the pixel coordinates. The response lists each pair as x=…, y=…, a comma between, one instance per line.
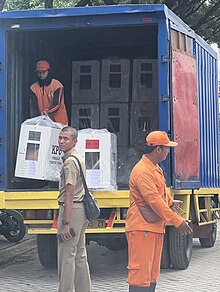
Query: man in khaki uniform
x=73, y=269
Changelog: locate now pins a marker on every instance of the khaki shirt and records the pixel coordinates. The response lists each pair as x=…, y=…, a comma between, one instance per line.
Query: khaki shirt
x=70, y=174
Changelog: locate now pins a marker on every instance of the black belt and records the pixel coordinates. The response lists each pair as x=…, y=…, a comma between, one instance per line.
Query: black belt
x=63, y=204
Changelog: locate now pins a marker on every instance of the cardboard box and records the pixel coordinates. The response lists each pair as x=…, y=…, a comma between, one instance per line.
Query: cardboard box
x=38, y=155
x=99, y=149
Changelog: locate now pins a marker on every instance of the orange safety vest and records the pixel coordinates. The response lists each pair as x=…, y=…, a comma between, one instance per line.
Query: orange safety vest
x=45, y=96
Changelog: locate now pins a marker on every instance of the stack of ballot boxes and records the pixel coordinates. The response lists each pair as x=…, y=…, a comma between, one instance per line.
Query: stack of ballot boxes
x=85, y=94
x=144, y=105
x=115, y=74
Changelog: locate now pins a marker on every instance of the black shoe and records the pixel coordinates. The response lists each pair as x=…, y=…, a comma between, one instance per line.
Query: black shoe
x=139, y=289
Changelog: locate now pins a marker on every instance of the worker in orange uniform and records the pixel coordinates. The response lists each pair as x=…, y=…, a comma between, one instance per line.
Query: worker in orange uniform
x=150, y=208
x=47, y=95
x=46, y=98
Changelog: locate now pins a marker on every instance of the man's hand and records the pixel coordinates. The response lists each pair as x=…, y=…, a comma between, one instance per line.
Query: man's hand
x=175, y=205
x=65, y=232
x=184, y=228
x=45, y=113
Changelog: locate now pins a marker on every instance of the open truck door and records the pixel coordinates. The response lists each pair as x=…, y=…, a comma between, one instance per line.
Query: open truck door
x=185, y=112
x=192, y=102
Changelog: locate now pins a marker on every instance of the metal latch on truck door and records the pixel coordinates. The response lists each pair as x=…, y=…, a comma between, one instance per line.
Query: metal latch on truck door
x=165, y=59
x=165, y=97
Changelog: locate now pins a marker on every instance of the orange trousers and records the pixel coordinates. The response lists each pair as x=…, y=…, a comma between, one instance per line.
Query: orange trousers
x=144, y=255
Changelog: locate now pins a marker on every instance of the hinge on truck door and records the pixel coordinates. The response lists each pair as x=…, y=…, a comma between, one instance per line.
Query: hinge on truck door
x=165, y=97
x=219, y=169
x=1, y=102
x=1, y=178
x=165, y=59
x=1, y=65
x=1, y=141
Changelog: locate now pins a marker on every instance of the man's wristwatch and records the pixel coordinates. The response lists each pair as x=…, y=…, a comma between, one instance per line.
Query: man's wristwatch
x=64, y=222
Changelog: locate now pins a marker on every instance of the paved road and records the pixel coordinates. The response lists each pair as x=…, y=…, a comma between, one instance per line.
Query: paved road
x=23, y=273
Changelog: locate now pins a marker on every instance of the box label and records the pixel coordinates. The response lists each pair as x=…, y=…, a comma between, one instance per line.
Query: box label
x=92, y=144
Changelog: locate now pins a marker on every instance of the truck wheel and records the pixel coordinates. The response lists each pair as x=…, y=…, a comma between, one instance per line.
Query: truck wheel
x=180, y=249
x=47, y=250
x=210, y=241
x=165, y=258
x=114, y=243
x=15, y=236
x=16, y=229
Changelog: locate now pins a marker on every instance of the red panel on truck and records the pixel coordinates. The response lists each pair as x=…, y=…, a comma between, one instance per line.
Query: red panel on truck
x=185, y=116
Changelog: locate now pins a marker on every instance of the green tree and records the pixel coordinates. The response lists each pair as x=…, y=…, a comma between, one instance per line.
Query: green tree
x=37, y=4
x=201, y=15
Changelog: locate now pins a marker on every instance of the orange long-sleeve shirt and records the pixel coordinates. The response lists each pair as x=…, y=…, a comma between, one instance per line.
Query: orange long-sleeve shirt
x=148, y=187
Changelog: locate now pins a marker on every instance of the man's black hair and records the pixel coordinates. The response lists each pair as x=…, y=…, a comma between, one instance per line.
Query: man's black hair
x=72, y=130
x=149, y=149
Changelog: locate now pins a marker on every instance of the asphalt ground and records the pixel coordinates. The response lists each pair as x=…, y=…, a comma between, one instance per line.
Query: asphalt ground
x=21, y=271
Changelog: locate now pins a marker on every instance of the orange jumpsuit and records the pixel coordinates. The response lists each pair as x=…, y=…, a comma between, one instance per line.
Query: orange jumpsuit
x=49, y=98
x=145, y=240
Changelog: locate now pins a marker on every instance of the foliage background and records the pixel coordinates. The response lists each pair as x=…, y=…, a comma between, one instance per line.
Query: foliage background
x=201, y=15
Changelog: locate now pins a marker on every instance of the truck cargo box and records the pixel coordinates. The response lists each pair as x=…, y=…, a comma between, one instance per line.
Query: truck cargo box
x=131, y=69
x=183, y=100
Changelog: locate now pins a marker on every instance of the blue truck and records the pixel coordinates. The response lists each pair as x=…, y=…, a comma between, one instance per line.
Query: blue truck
x=131, y=69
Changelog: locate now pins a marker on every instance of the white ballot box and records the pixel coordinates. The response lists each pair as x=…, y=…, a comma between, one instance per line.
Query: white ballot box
x=39, y=156
x=99, y=149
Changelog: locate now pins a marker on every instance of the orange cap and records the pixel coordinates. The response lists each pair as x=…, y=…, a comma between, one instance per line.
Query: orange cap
x=159, y=138
x=42, y=65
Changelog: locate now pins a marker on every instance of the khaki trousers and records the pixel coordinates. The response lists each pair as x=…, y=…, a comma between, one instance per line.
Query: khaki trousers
x=73, y=269
x=144, y=255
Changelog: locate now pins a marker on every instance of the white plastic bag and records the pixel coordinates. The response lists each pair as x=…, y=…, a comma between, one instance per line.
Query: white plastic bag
x=39, y=156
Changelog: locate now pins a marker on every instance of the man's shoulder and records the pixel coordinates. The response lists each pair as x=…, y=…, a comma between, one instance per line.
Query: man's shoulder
x=71, y=164
x=33, y=85
x=141, y=170
x=72, y=157
x=142, y=167
x=56, y=83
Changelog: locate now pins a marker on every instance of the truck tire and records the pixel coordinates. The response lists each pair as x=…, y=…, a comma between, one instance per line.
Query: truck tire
x=210, y=241
x=15, y=236
x=180, y=248
x=165, y=258
x=19, y=231
x=47, y=250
